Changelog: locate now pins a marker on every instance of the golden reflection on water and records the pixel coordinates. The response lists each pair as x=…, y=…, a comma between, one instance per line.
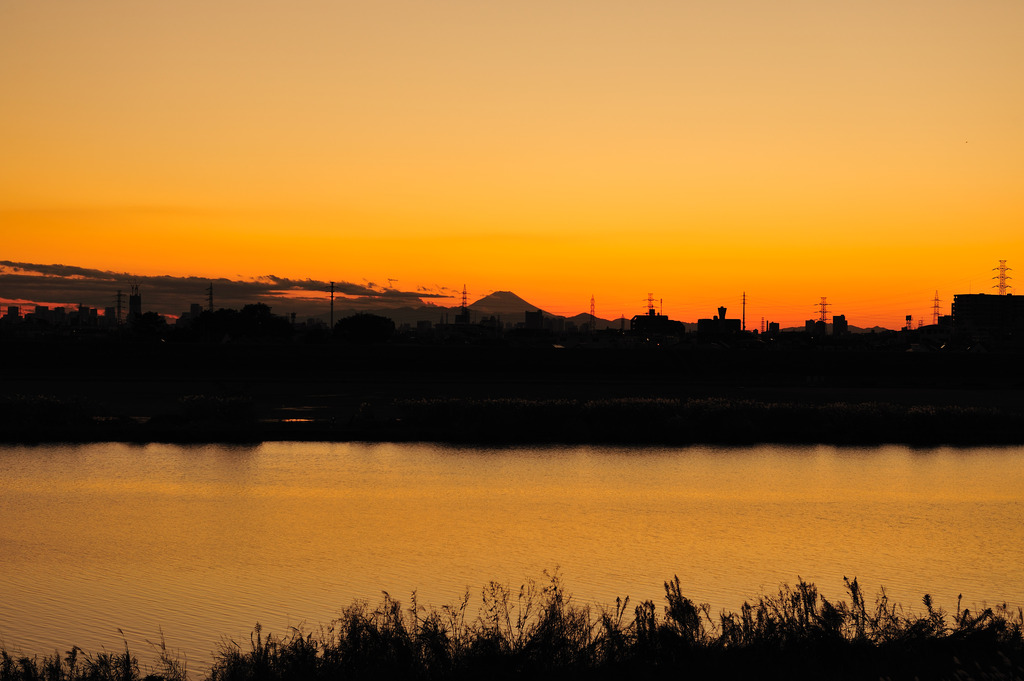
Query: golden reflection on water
x=205, y=541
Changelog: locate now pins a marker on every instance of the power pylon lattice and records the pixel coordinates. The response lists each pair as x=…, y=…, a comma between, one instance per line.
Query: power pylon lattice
x=332, y=305
x=823, y=313
x=209, y=299
x=1003, y=277
x=935, y=309
x=650, y=303
x=465, y=299
x=593, y=316
x=744, y=327
x=120, y=307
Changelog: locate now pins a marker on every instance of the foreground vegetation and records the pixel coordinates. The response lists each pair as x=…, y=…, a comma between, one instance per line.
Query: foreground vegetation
x=538, y=631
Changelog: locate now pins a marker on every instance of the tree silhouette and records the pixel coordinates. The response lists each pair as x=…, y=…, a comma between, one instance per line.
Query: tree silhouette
x=147, y=325
x=252, y=321
x=364, y=328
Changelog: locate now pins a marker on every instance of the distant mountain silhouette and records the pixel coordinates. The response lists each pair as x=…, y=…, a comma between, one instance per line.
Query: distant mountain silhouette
x=512, y=308
x=852, y=329
x=584, y=318
x=504, y=304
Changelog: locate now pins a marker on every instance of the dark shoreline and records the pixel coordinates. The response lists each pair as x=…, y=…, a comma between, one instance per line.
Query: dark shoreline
x=78, y=392
x=619, y=422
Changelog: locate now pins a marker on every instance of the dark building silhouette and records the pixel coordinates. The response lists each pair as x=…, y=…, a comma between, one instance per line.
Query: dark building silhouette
x=534, y=320
x=839, y=325
x=655, y=324
x=719, y=325
x=42, y=314
x=988, y=316
x=816, y=327
x=134, y=303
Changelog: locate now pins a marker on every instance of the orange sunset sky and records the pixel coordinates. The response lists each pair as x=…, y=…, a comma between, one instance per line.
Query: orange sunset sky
x=871, y=151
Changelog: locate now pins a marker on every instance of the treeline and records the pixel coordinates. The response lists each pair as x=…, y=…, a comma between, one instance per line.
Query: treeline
x=256, y=322
x=539, y=632
x=252, y=323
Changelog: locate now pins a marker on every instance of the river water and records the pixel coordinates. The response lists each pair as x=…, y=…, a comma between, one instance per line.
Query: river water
x=197, y=544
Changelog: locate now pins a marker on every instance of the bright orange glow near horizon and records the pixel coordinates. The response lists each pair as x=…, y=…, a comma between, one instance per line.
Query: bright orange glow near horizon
x=871, y=153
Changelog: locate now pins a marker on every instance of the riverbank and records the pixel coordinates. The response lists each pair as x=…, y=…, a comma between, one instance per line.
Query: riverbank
x=31, y=419
x=538, y=631
x=109, y=392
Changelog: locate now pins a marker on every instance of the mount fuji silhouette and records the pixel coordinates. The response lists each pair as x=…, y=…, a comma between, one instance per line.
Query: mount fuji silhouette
x=502, y=304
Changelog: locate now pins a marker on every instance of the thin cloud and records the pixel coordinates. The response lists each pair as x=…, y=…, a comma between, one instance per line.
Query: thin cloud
x=172, y=295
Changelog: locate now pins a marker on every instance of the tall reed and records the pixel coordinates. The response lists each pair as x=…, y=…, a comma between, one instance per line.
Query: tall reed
x=539, y=631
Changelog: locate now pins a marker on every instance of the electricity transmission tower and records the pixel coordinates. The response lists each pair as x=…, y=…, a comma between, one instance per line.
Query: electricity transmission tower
x=120, y=307
x=1003, y=277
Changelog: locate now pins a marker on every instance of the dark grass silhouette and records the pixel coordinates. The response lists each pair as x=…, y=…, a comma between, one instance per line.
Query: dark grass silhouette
x=77, y=665
x=539, y=631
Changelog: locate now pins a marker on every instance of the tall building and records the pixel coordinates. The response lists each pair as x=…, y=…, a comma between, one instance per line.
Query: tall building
x=988, y=316
x=816, y=328
x=134, y=303
x=534, y=320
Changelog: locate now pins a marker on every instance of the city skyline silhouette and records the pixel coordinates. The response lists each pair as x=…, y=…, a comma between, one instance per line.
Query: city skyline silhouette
x=26, y=285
